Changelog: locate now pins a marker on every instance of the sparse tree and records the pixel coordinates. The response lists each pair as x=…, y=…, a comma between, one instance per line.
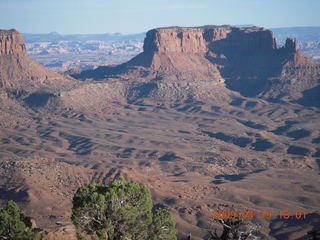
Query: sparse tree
x=234, y=229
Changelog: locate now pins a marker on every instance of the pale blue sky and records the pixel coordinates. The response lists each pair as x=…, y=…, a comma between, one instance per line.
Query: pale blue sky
x=133, y=16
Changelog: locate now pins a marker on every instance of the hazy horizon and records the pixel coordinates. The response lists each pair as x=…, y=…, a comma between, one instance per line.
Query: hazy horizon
x=130, y=17
x=137, y=33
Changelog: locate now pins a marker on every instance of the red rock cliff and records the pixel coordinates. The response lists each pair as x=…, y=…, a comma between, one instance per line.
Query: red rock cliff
x=200, y=39
x=11, y=42
x=18, y=71
x=178, y=40
x=244, y=59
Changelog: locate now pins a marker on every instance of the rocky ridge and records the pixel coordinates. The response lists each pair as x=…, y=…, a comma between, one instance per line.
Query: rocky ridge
x=18, y=71
x=246, y=60
x=11, y=43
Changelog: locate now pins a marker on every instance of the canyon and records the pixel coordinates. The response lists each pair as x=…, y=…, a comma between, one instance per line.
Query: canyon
x=206, y=117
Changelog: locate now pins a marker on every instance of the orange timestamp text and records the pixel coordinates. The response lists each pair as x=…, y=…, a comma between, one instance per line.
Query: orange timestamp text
x=250, y=214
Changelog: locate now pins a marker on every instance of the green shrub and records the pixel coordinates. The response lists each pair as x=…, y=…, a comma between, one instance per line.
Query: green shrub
x=14, y=225
x=120, y=210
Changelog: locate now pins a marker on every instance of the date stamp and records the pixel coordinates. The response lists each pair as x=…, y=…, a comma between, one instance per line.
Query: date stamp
x=250, y=214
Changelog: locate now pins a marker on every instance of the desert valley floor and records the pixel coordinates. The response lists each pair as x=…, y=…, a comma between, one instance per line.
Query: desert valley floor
x=194, y=157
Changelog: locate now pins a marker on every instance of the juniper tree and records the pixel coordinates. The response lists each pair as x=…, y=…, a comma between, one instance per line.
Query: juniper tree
x=120, y=210
x=14, y=225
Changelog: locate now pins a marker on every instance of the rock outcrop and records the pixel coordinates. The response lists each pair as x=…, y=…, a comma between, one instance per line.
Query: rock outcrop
x=18, y=71
x=246, y=60
x=11, y=43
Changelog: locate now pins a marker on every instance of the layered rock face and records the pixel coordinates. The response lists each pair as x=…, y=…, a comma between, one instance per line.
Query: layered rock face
x=202, y=53
x=247, y=59
x=11, y=43
x=18, y=71
x=200, y=40
x=176, y=40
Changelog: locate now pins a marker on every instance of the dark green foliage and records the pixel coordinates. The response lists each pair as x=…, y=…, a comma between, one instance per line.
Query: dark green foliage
x=164, y=225
x=14, y=225
x=120, y=210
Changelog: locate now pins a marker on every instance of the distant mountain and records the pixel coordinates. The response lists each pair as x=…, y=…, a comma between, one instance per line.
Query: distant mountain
x=303, y=34
x=54, y=36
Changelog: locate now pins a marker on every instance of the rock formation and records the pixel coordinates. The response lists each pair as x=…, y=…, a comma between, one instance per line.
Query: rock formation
x=11, y=43
x=18, y=71
x=246, y=60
